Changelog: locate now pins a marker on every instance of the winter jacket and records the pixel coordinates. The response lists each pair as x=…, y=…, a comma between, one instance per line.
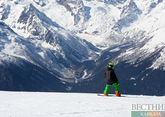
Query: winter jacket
x=110, y=76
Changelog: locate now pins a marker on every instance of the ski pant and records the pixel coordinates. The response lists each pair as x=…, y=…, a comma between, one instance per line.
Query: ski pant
x=106, y=91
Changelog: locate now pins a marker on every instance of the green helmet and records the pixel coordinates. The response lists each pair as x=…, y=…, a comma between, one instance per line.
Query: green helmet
x=111, y=64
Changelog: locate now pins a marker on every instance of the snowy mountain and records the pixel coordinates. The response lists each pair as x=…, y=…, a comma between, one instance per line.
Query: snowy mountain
x=39, y=57
x=73, y=40
x=32, y=104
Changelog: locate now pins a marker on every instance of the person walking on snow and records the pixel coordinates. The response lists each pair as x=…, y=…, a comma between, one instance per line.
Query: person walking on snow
x=111, y=79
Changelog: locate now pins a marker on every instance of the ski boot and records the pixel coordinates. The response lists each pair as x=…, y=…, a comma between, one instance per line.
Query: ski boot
x=105, y=94
x=117, y=93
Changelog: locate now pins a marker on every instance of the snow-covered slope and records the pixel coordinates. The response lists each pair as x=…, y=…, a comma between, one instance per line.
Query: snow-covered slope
x=54, y=48
x=25, y=104
x=104, y=23
x=151, y=27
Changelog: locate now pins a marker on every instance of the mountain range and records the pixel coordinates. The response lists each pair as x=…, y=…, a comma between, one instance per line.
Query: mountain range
x=65, y=45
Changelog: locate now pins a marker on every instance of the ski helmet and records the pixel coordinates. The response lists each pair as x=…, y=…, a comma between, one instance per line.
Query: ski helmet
x=111, y=64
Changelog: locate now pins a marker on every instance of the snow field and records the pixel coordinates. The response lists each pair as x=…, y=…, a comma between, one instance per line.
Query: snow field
x=35, y=104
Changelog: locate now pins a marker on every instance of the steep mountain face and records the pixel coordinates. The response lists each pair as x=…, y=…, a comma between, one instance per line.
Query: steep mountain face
x=16, y=69
x=73, y=40
x=52, y=49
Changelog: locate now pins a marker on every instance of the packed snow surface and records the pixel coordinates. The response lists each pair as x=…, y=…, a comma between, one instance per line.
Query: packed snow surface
x=35, y=104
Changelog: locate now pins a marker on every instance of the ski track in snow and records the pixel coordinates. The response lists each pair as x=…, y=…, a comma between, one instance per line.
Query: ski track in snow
x=35, y=104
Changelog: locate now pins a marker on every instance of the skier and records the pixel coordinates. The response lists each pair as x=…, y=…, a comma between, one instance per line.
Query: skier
x=111, y=79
